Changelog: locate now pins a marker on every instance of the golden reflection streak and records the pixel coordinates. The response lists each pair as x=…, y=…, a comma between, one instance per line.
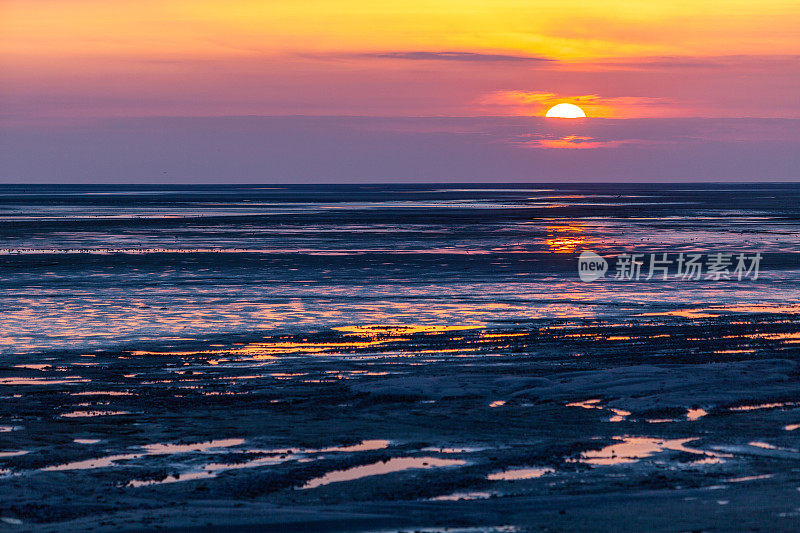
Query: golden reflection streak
x=563, y=244
x=266, y=350
x=381, y=329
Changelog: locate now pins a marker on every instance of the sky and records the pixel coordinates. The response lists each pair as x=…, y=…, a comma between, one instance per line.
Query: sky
x=437, y=90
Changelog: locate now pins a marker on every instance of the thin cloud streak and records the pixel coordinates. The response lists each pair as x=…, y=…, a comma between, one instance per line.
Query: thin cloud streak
x=679, y=62
x=455, y=56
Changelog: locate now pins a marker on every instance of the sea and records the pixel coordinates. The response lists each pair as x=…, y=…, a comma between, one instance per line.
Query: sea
x=105, y=267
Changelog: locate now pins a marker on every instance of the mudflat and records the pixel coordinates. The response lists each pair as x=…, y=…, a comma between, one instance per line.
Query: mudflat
x=409, y=357
x=561, y=425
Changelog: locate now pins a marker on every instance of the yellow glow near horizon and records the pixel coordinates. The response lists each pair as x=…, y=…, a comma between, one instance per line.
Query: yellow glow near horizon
x=565, y=110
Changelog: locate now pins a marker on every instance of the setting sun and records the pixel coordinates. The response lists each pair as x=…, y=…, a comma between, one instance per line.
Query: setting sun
x=565, y=111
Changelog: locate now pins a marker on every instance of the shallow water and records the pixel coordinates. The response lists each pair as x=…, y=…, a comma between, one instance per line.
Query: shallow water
x=396, y=464
x=632, y=449
x=91, y=267
x=519, y=473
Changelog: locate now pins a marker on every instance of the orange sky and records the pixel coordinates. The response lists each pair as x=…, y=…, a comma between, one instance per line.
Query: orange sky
x=621, y=59
x=567, y=30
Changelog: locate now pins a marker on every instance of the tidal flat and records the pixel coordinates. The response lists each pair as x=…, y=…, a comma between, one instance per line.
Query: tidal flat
x=386, y=358
x=555, y=425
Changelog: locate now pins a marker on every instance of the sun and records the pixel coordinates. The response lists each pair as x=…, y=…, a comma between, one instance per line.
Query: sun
x=565, y=111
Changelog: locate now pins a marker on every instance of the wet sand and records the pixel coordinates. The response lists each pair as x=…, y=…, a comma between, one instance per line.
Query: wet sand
x=659, y=423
